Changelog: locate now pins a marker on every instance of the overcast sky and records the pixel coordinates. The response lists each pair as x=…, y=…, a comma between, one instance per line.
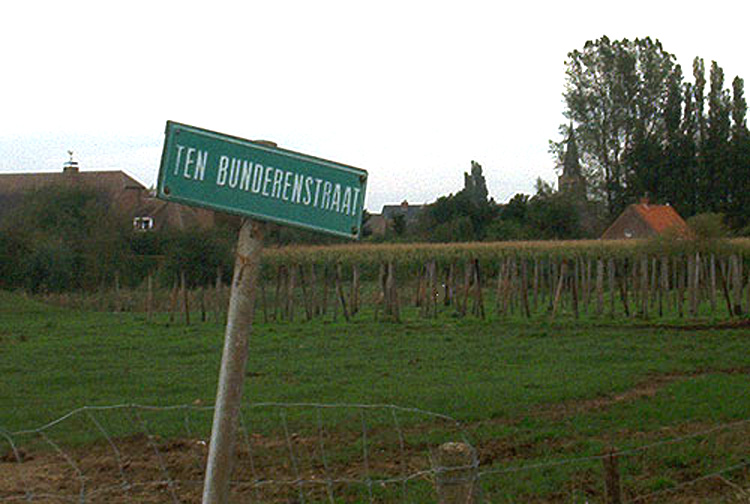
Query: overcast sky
x=410, y=91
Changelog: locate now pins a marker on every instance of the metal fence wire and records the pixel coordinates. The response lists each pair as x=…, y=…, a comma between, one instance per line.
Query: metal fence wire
x=302, y=453
x=284, y=452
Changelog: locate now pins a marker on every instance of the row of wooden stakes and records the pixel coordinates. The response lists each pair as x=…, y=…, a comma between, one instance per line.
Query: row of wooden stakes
x=648, y=287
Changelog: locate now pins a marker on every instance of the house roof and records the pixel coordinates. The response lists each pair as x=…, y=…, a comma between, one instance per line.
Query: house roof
x=642, y=220
x=107, y=181
x=129, y=195
x=661, y=217
x=117, y=186
x=410, y=212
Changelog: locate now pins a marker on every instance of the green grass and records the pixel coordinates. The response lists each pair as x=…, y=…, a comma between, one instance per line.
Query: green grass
x=525, y=393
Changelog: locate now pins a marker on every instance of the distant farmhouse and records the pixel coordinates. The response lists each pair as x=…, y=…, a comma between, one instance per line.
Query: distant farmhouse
x=127, y=196
x=377, y=224
x=644, y=220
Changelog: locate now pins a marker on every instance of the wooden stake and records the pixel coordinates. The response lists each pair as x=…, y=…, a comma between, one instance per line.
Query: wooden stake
x=150, y=297
x=612, y=478
x=559, y=290
x=524, y=289
x=185, y=304
x=599, y=287
x=354, y=297
x=611, y=266
x=340, y=291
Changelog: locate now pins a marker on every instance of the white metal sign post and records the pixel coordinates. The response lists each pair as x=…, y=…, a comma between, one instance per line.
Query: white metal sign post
x=261, y=183
x=234, y=358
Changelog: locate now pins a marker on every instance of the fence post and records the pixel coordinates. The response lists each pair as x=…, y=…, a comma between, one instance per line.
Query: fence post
x=150, y=297
x=456, y=474
x=612, y=478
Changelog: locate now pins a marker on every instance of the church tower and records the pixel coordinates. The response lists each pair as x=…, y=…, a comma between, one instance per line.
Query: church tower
x=571, y=181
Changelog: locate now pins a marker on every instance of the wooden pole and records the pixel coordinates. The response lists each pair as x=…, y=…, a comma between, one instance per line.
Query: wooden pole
x=478, y=292
x=525, y=289
x=354, y=297
x=560, y=284
x=392, y=293
x=645, y=295
x=150, y=297
x=306, y=302
x=612, y=479
x=599, y=287
x=611, y=285
x=218, y=296
x=185, y=303
x=340, y=291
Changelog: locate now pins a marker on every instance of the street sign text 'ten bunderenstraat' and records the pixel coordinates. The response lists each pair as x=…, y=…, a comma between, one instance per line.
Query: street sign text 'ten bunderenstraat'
x=221, y=172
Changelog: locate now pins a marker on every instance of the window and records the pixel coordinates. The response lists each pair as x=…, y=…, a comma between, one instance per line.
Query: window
x=143, y=223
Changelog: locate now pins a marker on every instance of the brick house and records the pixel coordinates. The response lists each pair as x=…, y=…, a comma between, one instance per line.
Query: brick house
x=645, y=220
x=126, y=195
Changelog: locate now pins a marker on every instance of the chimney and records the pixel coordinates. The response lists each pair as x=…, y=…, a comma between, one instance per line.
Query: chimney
x=70, y=166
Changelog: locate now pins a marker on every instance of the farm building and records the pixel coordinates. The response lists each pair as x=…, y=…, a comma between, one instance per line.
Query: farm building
x=126, y=195
x=378, y=223
x=645, y=220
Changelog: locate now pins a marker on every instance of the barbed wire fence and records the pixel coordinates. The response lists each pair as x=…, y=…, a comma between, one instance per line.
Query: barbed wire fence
x=309, y=453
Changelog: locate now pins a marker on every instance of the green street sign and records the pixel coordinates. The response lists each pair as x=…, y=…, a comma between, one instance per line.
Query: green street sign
x=229, y=174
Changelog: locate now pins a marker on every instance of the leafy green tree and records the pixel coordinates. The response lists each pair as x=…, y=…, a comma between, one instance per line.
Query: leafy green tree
x=458, y=229
x=199, y=254
x=516, y=209
x=454, y=211
x=14, y=250
x=616, y=95
x=399, y=224
x=73, y=238
x=475, y=186
x=553, y=215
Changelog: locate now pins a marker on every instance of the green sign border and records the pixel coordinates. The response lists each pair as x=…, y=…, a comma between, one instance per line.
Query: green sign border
x=165, y=192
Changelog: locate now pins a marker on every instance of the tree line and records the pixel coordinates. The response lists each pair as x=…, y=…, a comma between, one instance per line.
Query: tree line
x=642, y=128
x=470, y=215
x=71, y=239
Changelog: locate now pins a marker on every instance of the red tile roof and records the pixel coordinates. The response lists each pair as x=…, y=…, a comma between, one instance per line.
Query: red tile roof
x=661, y=218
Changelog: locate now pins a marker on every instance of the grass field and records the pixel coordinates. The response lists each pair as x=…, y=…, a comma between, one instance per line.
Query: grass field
x=524, y=394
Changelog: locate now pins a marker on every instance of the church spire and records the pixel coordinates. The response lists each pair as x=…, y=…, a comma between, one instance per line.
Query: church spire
x=571, y=165
x=571, y=180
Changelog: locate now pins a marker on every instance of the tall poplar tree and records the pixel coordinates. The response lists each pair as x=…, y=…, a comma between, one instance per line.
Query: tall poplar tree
x=699, y=133
x=673, y=166
x=716, y=145
x=738, y=204
x=687, y=189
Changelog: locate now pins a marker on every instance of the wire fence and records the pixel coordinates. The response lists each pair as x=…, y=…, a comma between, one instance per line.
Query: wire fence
x=307, y=453
x=297, y=452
